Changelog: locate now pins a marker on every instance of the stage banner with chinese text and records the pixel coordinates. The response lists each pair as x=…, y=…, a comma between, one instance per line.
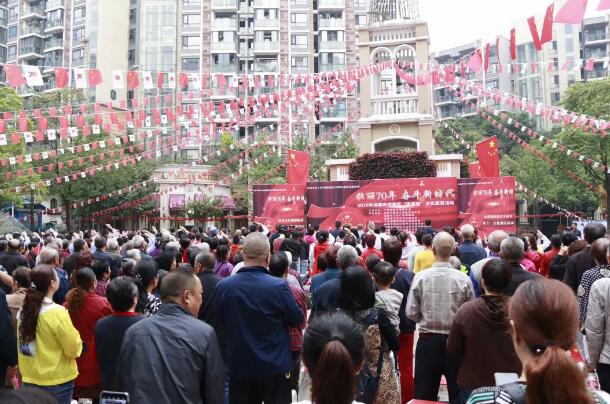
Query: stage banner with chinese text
x=279, y=204
x=403, y=202
x=487, y=203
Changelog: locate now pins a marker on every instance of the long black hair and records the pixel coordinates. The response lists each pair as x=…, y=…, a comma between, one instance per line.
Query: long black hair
x=146, y=272
x=357, y=291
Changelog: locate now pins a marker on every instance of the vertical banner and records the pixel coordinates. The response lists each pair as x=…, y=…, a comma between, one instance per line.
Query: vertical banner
x=404, y=203
x=279, y=204
x=487, y=203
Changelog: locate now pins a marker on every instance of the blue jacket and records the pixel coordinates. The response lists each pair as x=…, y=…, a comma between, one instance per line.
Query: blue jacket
x=319, y=279
x=253, y=311
x=471, y=253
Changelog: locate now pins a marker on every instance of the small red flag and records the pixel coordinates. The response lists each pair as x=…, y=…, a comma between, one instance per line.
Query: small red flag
x=513, y=44
x=183, y=80
x=486, y=63
x=13, y=75
x=474, y=170
x=572, y=12
x=95, y=77
x=61, y=77
x=133, y=79
x=160, y=80
x=489, y=160
x=298, y=167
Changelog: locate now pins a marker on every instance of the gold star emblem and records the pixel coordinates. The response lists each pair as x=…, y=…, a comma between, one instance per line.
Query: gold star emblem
x=492, y=144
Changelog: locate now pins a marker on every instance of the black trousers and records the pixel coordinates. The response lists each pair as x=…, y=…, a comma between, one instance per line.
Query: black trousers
x=431, y=362
x=296, y=370
x=270, y=390
x=603, y=372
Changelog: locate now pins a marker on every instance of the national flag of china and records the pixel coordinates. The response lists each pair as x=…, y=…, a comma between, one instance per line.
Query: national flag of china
x=298, y=167
x=184, y=80
x=13, y=75
x=133, y=79
x=95, y=77
x=487, y=150
x=474, y=170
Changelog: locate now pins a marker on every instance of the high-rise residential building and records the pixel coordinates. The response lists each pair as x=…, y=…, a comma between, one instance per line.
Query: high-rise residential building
x=66, y=33
x=246, y=38
x=595, y=39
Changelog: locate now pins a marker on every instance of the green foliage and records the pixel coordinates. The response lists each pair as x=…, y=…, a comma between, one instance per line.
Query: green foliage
x=392, y=165
x=210, y=207
x=11, y=102
x=58, y=98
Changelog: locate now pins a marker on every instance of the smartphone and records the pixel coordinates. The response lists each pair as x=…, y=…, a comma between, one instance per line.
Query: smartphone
x=505, y=378
x=114, y=397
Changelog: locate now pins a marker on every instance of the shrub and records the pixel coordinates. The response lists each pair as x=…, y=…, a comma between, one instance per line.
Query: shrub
x=392, y=165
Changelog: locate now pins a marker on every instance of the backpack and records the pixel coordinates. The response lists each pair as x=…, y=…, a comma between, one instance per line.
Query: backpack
x=517, y=394
x=368, y=385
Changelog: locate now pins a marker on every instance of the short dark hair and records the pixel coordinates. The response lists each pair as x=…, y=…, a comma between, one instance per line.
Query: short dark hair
x=79, y=244
x=496, y=274
x=100, y=242
x=175, y=283
x=321, y=263
x=383, y=273
x=556, y=240
x=120, y=293
x=100, y=267
x=392, y=251
x=337, y=223
x=21, y=275
x=567, y=238
x=207, y=260
x=330, y=256
x=165, y=259
x=594, y=231
x=427, y=240
x=278, y=264
x=371, y=261
x=419, y=235
x=322, y=236
x=192, y=252
x=428, y=222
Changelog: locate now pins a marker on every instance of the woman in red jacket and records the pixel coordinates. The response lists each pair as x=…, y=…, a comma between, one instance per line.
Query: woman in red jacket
x=85, y=308
x=319, y=247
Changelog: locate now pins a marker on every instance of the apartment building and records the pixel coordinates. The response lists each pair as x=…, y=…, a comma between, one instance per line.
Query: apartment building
x=66, y=33
x=595, y=38
x=264, y=38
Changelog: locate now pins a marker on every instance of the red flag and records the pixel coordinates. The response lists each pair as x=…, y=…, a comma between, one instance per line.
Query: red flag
x=475, y=63
x=603, y=5
x=498, y=53
x=183, y=80
x=95, y=77
x=513, y=44
x=572, y=12
x=486, y=64
x=13, y=75
x=547, y=28
x=298, y=167
x=474, y=170
x=160, y=80
x=133, y=79
x=487, y=150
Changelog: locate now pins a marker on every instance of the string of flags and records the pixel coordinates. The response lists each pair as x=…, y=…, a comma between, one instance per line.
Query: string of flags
x=520, y=187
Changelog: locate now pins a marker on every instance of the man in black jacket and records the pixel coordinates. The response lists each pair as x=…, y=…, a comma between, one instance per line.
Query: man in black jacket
x=580, y=263
x=204, y=268
x=8, y=338
x=11, y=260
x=511, y=251
x=172, y=357
x=71, y=262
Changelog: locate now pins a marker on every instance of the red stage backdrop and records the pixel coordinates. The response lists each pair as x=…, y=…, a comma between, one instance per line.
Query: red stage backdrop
x=487, y=203
x=404, y=203
x=279, y=204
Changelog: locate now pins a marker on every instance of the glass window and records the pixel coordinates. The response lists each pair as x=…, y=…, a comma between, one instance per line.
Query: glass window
x=298, y=18
x=299, y=62
x=299, y=41
x=79, y=13
x=12, y=32
x=190, y=64
x=191, y=19
x=12, y=51
x=190, y=42
x=191, y=3
x=12, y=12
x=79, y=34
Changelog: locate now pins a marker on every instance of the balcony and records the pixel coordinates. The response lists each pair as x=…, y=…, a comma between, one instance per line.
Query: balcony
x=266, y=47
x=595, y=54
x=329, y=67
x=299, y=4
x=32, y=30
x=333, y=114
x=224, y=4
x=245, y=52
x=54, y=4
x=53, y=62
x=191, y=5
x=224, y=68
x=332, y=45
x=226, y=92
x=224, y=47
x=53, y=44
x=596, y=36
x=266, y=3
x=222, y=24
x=331, y=5
x=266, y=24
x=390, y=106
x=33, y=13
x=333, y=23
x=54, y=26
x=265, y=67
x=30, y=52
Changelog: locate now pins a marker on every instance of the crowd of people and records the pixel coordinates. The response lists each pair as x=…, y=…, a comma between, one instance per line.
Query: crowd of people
x=358, y=314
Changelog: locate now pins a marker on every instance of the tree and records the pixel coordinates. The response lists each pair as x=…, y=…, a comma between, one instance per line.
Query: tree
x=210, y=207
x=392, y=165
x=11, y=102
x=592, y=99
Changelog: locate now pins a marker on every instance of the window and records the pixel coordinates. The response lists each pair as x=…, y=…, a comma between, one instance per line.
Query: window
x=12, y=33
x=555, y=97
x=190, y=64
x=223, y=59
x=78, y=57
x=361, y=20
x=190, y=42
x=53, y=203
x=132, y=34
x=332, y=58
x=299, y=63
x=299, y=41
x=12, y=51
x=12, y=12
x=267, y=36
x=79, y=13
x=55, y=15
x=298, y=18
x=132, y=14
x=191, y=3
x=79, y=34
x=191, y=19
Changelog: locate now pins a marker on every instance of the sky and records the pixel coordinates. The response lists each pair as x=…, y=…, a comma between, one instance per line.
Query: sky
x=456, y=22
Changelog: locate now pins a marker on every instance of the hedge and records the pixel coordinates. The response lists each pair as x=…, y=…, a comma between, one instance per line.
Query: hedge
x=392, y=165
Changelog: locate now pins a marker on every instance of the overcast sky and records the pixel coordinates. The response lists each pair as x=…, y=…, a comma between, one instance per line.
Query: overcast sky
x=456, y=22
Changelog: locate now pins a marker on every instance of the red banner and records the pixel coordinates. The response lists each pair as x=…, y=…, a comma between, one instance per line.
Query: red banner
x=298, y=167
x=487, y=203
x=404, y=203
x=489, y=161
x=279, y=204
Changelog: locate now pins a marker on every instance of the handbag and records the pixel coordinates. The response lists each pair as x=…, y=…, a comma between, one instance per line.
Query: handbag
x=368, y=384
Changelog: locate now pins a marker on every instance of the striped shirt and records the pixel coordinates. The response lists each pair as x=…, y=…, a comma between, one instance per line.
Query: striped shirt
x=590, y=276
x=497, y=395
